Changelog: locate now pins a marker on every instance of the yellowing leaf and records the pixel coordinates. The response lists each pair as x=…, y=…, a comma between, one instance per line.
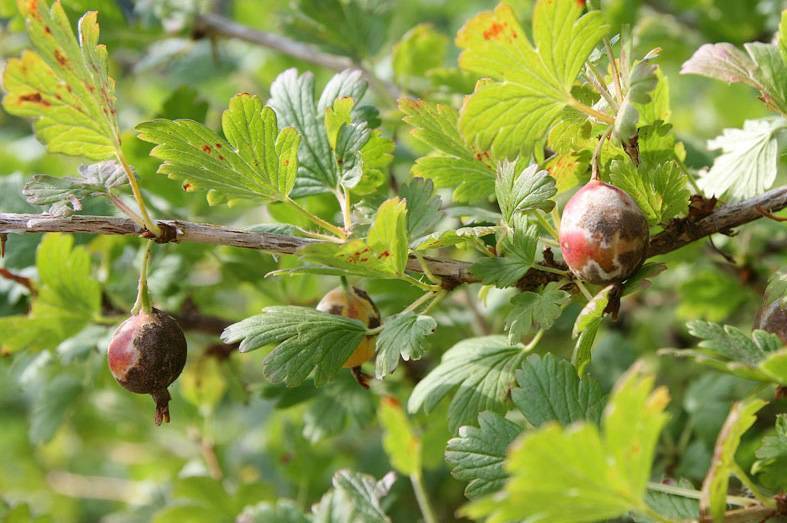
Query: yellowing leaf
x=533, y=81
x=602, y=475
x=402, y=446
x=64, y=86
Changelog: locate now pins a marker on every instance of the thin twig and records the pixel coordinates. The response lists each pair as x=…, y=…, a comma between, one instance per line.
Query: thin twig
x=675, y=236
x=210, y=24
x=21, y=280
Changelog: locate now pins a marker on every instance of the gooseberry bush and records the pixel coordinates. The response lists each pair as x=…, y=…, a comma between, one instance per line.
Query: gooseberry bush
x=368, y=275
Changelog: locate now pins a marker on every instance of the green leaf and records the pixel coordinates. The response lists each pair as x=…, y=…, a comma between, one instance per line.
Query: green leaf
x=592, y=312
x=772, y=456
x=376, y=156
x=477, y=454
x=399, y=441
x=404, y=334
x=606, y=472
x=68, y=297
x=599, y=475
x=452, y=237
x=661, y=190
x=419, y=50
x=520, y=253
x=383, y=254
x=749, y=160
x=255, y=162
x=671, y=506
x=777, y=287
x=339, y=406
x=550, y=390
x=714, y=488
x=581, y=357
x=533, y=311
x=355, y=498
x=338, y=115
x=481, y=370
x=321, y=167
x=64, y=86
x=525, y=192
x=423, y=206
x=51, y=406
x=731, y=343
x=774, y=366
x=453, y=164
x=283, y=511
x=307, y=341
x=533, y=80
x=354, y=28
x=64, y=195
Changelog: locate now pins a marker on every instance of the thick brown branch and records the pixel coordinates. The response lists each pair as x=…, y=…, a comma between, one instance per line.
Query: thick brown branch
x=210, y=24
x=722, y=219
x=455, y=272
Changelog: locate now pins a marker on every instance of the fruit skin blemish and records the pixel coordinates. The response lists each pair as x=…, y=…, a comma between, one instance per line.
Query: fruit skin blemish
x=603, y=234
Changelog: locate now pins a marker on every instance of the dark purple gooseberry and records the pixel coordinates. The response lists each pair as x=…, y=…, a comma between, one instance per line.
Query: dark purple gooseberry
x=146, y=354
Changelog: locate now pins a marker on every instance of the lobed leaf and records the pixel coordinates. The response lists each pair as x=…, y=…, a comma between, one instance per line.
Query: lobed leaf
x=477, y=454
x=307, y=341
x=749, y=160
x=533, y=311
x=714, y=489
x=605, y=474
x=454, y=164
x=549, y=389
x=64, y=86
x=256, y=161
x=480, y=370
x=533, y=80
x=402, y=335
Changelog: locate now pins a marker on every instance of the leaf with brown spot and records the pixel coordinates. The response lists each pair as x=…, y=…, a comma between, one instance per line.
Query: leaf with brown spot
x=532, y=80
x=62, y=85
x=256, y=162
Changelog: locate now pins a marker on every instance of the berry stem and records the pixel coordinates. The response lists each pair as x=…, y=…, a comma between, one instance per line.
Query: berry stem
x=613, y=64
x=316, y=219
x=595, y=172
x=422, y=497
x=132, y=180
x=598, y=115
x=143, y=304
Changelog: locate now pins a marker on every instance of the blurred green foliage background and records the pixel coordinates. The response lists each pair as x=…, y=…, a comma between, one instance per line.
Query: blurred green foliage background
x=75, y=447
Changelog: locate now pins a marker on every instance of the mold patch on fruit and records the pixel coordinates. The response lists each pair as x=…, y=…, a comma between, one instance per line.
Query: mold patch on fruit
x=603, y=234
x=146, y=354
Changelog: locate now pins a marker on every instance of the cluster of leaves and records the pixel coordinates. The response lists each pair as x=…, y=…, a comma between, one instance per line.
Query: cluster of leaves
x=524, y=137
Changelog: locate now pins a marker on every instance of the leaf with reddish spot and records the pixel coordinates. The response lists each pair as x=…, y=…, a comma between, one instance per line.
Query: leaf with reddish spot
x=382, y=255
x=256, y=162
x=64, y=85
x=532, y=80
